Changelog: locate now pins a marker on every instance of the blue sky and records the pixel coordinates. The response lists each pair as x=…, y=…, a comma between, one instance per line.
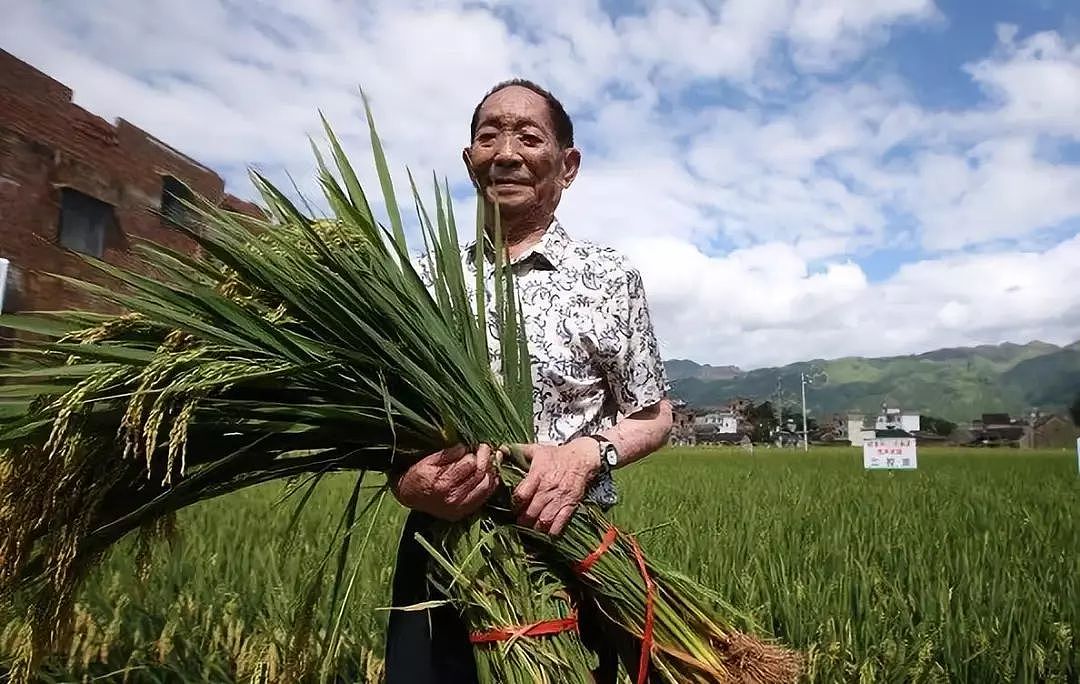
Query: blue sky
x=793, y=178
x=934, y=59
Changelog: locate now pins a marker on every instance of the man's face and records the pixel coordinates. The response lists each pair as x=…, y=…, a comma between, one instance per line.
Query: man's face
x=515, y=157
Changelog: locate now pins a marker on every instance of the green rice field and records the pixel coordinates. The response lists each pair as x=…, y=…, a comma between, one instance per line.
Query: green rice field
x=967, y=570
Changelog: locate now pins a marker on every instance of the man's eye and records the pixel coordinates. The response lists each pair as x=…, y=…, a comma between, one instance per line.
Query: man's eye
x=531, y=140
x=484, y=138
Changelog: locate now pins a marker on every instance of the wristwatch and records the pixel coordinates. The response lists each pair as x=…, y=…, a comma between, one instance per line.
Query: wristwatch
x=609, y=455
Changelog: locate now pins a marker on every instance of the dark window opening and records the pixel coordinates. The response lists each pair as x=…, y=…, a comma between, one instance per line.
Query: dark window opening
x=84, y=222
x=174, y=195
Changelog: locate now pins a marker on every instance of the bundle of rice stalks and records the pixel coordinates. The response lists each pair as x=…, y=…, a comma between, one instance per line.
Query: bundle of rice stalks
x=524, y=628
x=297, y=346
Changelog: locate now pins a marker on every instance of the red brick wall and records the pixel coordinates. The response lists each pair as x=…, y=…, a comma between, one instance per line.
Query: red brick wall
x=47, y=143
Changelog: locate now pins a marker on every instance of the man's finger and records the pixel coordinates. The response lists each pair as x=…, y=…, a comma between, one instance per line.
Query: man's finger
x=483, y=458
x=527, y=451
x=561, y=520
x=447, y=455
x=459, y=471
x=545, y=518
x=481, y=492
x=460, y=491
x=526, y=489
x=551, y=512
x=531, y=514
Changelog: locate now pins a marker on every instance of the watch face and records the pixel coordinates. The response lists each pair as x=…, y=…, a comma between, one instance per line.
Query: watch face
x=611, y=455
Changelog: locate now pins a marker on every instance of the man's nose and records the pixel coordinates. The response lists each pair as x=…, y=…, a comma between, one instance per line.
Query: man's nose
x=506, y=151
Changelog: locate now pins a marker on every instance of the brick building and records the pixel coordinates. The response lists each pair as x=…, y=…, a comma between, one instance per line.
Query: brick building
x=69, y=180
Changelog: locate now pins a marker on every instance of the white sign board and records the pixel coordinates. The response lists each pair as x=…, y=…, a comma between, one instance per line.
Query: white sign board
x=890, y=453
x=3, y=281
x=1078, y=453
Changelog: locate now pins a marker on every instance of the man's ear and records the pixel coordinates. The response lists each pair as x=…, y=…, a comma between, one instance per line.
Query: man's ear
x=469, y=167
x=571, y=165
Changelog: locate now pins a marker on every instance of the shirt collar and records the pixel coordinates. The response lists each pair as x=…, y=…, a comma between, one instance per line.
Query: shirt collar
x=550, y=249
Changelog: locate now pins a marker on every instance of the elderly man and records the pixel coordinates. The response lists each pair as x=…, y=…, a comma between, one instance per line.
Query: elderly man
x=599, y=387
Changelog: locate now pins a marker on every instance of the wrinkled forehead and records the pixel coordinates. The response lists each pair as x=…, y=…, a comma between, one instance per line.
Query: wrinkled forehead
x=515, y=106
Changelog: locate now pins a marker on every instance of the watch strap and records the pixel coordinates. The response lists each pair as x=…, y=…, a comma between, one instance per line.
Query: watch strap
x=605, y=444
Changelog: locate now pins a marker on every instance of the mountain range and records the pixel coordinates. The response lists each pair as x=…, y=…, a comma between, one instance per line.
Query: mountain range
x=958, y=384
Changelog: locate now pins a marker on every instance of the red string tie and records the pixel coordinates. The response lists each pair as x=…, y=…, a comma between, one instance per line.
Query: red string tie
x=605, y=543
x=647, y=632
x=589, y=561
x=535, y=629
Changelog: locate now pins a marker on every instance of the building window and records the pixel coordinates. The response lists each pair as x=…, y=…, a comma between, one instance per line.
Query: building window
x=174, y=194
x=84, y=222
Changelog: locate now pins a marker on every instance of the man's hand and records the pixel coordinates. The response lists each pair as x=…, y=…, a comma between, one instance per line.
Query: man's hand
x=557, y=480
x=450, y=484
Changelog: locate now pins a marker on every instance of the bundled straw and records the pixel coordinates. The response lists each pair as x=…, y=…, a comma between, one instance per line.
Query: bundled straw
x=293, y=346
x=524, y=627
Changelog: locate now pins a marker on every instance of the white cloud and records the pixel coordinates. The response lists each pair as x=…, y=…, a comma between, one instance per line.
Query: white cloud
x=1036, y=82
x=830, y=32
x=999, y=189
x=725, y=149
x=764, y=305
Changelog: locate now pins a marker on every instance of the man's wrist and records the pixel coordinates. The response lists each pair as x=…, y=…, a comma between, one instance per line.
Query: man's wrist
x=594, y=459
x=609, y=453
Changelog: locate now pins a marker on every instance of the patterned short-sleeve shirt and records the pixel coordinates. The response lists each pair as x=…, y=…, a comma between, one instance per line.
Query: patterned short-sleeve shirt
x=591, y=340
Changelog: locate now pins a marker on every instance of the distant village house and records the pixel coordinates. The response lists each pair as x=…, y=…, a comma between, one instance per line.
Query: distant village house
x=891, y=422
x=717, y=427
x=682, y=425
x=1050, y=432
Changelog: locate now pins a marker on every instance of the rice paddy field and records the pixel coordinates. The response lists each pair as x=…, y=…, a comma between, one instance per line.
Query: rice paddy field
x=966, y=570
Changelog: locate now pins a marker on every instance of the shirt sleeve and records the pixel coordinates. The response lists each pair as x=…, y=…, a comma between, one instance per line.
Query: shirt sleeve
x=635, y=372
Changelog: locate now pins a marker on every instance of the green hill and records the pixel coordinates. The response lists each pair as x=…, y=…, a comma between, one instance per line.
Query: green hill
x=958, y=383
x=680, y=369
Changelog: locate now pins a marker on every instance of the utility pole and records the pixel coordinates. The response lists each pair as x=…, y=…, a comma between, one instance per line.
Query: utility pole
x=816, y=375
x=805, y=432
x=779, y=409
x=1031, y=427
